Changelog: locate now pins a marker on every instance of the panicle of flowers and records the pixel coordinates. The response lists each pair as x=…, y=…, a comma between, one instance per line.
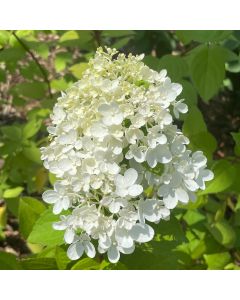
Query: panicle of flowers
x=120, y=161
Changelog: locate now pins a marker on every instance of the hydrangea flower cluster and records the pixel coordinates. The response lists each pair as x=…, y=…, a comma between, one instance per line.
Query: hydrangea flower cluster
x=119, y=159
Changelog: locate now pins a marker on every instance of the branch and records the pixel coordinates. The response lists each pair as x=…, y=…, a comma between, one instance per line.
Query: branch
x=42, y=70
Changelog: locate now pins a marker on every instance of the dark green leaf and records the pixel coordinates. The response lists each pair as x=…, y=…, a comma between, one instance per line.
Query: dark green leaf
x=176, y=66
x=8, y=261
x=203, y=36
x=208, y=70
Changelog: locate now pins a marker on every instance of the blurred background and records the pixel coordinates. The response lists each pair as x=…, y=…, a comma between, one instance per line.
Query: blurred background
x=35, y=66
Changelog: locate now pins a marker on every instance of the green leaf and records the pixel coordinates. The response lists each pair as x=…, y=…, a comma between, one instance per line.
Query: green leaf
x=2, y=77
x=62, y=258
x=41, y=49
x=162, y=252
x=11, y=57
x=217, y=261
x=35, y=90
x=43, y=232
x=208, y=70
x=86, y=264
x=42, y=263
x=80, y=39
x=192, y=217
x=69, y=36
x=195, y=129
x=189, y=93
x=59, y=84
x=12, y=193
x=121, y=43
x=78, y=69
x=28, y=70
x=29, y=211
x=202, y=36
x=31, y=128
x=32, y=152
x=176, y=66
x=52, y=178
x=8, y=261
x=12, y=205
x=205, y=142
x=223, y=233
x=194, y=123
x=232, y=266
x=61, y=61
x=13, y=132
x=3, y=216
x=236, y=137
x=224, y=176
x=117, y=33
x=152, y=62
x=4, y=37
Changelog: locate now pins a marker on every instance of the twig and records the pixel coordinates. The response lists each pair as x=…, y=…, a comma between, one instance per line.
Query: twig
x=97, y=36
x=42, y=70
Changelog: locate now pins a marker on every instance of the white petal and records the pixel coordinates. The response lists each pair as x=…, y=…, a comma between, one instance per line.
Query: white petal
x=121, y=191
x=170, y=201
x=176, y=112
x=139, y=156
x=148, y=209
x=123, y=238
x=50, y=197
x=89, y=249
x=182, y=195
x=199, y=159
x=151, y=158
x=177, y=88
x=135, y=190
x=182, y=107
x=104, y=242
x=99, y=130
x=65, y=202
x=191, y=185
x=142, y=233
x=69, y=236
x=114, y=207
x=130, y=177
x=192, y=196
x=163, y=154
x=68, y=138
x=57, y=208
x=127, y=250
x=75, y=251
x=113, y=254
x=60, y=225
x=119, y=180
x=162, y=139
x=117, y=119
x=104, y=109
x=65, y=164
x=164, y=212
x=113, y=168
x=164, y=190
x=207, y=175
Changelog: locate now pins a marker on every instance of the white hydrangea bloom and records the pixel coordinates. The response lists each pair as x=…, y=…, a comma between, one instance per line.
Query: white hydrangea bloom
x=113, y=135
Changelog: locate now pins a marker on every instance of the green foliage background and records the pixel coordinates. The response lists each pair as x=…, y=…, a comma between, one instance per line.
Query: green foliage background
x=36, y=65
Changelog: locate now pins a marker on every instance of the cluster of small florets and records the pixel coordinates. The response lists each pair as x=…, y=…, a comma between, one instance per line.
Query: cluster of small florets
x=120, y=161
